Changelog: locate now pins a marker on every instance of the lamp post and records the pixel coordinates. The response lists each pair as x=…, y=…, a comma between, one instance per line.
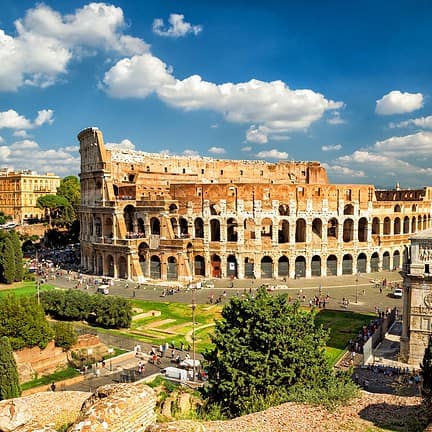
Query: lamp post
x=356, y=289
x=193, y=333
x=110, y=351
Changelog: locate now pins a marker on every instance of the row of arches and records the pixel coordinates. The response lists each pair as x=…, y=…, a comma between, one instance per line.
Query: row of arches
x=268, y=267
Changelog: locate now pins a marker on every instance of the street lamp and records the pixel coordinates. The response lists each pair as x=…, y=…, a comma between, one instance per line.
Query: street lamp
x=356, y=289
x=110, y=351
x=193, y=333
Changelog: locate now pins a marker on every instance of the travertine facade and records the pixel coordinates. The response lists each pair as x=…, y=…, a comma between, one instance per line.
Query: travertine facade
x=20, y=190
x=417, y=299
x=162, y=217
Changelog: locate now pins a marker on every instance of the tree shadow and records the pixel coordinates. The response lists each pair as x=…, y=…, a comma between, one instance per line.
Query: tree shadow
x=396, y=417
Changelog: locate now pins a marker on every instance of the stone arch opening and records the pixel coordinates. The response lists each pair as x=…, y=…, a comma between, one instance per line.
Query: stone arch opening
x=129, y=217
x=266, y=227
x=347, y=264
x=283, y=232
x=249, y=268
x=361, y=263
x=214, y=230
x=266, y=267
x=331, y=265
x=155, y=226
x=386, y=226
x=216, y=266
x=317, y=229
x=199, y=228
x=396, y=260
x=155, y=267
x=362, y=229
x=284, y=210
x=110, y=265
x=406, y=225
x=184, y=230
x=332, y=229
x=283, y=267
x=348, y=230
x=199, y=265
x=300, y=235
x=386, y=261
x=172, y=268
x=232, y=267
x=375, y=226
x=122, y=268
x=397, y=226
x=413, y=225
x=300, y=267
x=316, y=265
x=348, y=209
x=374, y=263
x=232, y=227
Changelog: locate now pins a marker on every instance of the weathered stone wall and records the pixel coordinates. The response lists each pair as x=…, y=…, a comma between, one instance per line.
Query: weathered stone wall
x=118, y=408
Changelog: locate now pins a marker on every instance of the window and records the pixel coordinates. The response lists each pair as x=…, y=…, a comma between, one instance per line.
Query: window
x=221, y=172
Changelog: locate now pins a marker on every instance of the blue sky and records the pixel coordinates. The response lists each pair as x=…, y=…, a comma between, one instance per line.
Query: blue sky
x=344, y=83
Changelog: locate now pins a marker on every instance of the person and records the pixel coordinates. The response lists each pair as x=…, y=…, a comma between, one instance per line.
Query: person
x=53, y=386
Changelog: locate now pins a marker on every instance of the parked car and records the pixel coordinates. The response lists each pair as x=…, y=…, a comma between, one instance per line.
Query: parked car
x=397, y=292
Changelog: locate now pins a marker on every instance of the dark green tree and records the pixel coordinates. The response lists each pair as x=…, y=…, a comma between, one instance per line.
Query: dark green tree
x=53, y=205
x=18, y=254
x=7, y=260
x=71, y=190
x=426, y=372
x=65, y=335
x=23, y=321
x=9, y=379
x=263, y=348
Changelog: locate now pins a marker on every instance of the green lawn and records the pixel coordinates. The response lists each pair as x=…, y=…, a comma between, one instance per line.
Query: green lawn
x=26, y=288
x=173, y=323
x=61, y=375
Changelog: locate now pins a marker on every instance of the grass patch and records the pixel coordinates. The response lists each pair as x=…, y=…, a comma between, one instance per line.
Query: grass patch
x=343, y=325
x=26, y=288
x=60, y=375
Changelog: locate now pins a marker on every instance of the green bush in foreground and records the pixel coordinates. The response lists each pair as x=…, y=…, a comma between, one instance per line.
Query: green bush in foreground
x=268, y=351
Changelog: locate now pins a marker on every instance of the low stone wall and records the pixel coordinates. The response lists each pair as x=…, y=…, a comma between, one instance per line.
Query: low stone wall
x=35, y=361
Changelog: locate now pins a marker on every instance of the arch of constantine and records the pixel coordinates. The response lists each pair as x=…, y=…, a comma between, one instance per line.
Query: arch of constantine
x=151, y=216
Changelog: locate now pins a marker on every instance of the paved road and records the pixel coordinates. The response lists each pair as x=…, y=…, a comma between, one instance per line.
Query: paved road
x=361, y=291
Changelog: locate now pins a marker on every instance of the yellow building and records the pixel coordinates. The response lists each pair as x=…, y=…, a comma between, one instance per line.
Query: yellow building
x=19, y=191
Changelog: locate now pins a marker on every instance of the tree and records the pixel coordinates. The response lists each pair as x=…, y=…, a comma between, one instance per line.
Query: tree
x=65, y=334
x=9, y=379
x=264, y=347
x=71, y=190
x=426, y=372
x=18, y=255
x=7, y=261
x=23, y=321
x=52, y=204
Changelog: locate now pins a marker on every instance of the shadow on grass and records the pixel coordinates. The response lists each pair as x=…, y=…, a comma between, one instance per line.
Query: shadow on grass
x=409, y=418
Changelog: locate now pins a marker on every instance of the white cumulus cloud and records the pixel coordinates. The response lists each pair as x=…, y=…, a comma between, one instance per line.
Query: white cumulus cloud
x=272, y=154
x=246, y=148
x=216, y=150
x=178, y=27
x=421, y=122
x=272, y=107
x=10, y=119
x=124, y=144
x=335, y=118
x=397, y=102
x=327, y=148
x=256, y=135
x=45, y=42
x=27, y=154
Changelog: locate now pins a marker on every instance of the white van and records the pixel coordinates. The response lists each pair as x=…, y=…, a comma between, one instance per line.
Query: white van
x=103, y=289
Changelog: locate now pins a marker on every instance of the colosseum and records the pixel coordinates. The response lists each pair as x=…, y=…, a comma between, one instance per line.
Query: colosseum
x=152, y=216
